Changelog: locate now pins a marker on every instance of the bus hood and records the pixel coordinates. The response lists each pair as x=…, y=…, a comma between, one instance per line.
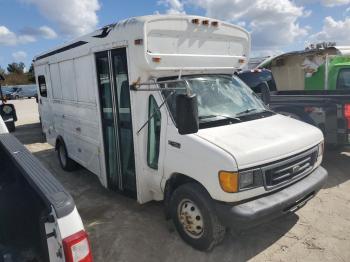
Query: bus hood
x=262, y=141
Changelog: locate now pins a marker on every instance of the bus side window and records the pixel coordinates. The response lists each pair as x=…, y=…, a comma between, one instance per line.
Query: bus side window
x=154, y=126
x=42, y=86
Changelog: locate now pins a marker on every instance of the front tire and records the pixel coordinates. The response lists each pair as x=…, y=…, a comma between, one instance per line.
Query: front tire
x=194, y=217
x=66, y=162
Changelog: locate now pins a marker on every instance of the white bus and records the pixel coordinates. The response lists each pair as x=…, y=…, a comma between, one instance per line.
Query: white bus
x=150, y=105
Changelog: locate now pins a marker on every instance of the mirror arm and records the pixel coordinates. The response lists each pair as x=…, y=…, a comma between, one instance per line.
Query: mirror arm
x=154, y=113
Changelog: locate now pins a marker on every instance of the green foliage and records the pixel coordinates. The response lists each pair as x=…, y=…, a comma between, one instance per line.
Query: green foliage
x=15, y=74
x=16, y=68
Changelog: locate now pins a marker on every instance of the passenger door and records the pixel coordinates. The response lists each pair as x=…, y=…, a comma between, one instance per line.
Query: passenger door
x=112, y=77
x=43, y=82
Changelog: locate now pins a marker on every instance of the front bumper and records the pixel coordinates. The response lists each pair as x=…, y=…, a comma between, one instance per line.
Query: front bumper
x=274, y=205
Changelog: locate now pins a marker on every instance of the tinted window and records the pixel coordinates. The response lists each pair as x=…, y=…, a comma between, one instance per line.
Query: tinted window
x=153, y=133
x=343, y=81
x=42, y=86
x=256, y=79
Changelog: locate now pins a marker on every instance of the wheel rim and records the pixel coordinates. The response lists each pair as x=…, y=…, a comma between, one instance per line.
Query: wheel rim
x=191, y=218
x=62, y=155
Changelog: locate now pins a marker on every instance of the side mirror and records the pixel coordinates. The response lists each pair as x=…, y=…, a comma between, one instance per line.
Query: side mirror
x=187, y=114
x=265, y=93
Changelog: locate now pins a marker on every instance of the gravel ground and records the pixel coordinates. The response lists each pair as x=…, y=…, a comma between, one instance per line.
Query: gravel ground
x=122, y=230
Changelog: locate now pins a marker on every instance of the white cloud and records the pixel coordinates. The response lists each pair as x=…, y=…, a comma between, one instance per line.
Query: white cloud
x=43, y=31
x=331, y=3
x=334, y=31
x=328, y=3
x=73, y=17
x=19, y=56
x=7, y=37
x=273, y=23
x=47, y=32
x=174, y=6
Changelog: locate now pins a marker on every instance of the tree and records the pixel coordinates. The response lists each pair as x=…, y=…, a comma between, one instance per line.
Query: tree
x=16, y=68
x=2, y=73
x=31, y=74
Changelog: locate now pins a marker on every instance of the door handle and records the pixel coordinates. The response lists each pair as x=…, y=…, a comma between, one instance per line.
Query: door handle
x=174, y=144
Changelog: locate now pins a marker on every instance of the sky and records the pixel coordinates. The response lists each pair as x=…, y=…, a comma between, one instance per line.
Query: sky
x=30, y=27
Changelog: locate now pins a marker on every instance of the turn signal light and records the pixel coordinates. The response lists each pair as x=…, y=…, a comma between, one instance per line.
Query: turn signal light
x=347, y=114
x=228, y=181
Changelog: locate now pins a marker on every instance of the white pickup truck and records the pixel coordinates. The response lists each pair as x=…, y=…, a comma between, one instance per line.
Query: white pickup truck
x=38, y=217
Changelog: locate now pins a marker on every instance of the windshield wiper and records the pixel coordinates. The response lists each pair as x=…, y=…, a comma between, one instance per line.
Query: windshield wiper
x=226, y=117
x=247, y=111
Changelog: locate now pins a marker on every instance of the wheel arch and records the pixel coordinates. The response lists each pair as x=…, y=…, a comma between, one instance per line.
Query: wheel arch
x=175, y=181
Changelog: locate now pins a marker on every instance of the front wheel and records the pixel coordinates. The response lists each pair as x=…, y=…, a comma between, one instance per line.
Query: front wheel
x=195, y=218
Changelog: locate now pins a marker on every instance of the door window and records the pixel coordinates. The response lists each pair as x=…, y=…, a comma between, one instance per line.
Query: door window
x=154, y=127
x=343, y=81
x=42, y=86
x=109, y=130
x=114, y=93
x=126, y=144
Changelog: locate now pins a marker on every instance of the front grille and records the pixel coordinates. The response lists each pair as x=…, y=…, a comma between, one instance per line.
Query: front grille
x=287, y=170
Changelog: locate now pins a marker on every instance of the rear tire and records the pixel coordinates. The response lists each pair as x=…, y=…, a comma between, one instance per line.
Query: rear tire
x=195, y=218
x=66, y=163
x=11, y=126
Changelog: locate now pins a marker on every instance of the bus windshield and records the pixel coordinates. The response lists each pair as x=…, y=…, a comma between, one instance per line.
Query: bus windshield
x=219, y=96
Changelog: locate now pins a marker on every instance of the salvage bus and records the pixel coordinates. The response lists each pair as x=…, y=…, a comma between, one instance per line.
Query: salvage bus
x=150, y=105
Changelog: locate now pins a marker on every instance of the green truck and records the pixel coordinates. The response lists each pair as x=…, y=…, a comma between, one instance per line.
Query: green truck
x=310, y=85
x=315, y=69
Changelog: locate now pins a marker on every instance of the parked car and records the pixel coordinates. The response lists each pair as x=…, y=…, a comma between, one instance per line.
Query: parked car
x=38, y=218
x=25, y=92
x=328, y=110
x=7, y=92
x=164, y=119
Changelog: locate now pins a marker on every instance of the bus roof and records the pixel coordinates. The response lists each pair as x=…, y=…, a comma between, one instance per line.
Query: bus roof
x=177, y=41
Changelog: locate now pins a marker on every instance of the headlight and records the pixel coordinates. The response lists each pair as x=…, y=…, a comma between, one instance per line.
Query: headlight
x=232, y=182
x=320, y=152
x=246, y=179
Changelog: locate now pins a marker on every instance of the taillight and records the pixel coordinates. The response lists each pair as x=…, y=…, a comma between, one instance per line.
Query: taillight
x=347, y=114
x=77, y=248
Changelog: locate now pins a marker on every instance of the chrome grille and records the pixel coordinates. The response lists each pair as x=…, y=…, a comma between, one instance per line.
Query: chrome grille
x=287, y=170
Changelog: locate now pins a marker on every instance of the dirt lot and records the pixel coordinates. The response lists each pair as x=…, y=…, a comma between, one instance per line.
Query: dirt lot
x=122, y=230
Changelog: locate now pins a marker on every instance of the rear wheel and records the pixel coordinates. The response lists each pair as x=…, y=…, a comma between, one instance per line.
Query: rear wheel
x=66, y=163
x=194, y=217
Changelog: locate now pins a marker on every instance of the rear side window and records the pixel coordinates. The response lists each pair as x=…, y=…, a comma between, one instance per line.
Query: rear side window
x=42, y=86
x=343, y=81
